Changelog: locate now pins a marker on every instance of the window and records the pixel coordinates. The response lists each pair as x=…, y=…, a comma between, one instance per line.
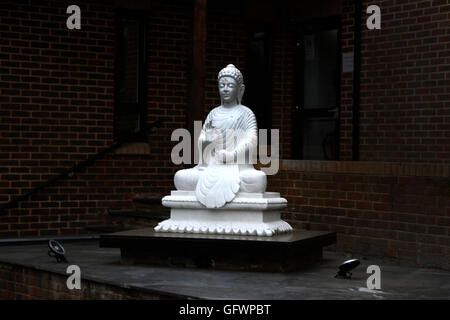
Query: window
x=129, y=79
x=317, y=90
x=258, y=82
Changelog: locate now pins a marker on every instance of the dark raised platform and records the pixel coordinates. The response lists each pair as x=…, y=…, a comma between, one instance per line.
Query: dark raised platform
x=284, y=252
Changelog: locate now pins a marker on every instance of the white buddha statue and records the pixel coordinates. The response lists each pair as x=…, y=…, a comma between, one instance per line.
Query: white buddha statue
x=224, y=194
x=225, y=167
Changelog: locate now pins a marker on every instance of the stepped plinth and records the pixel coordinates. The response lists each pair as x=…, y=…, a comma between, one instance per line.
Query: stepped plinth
x=247, y=214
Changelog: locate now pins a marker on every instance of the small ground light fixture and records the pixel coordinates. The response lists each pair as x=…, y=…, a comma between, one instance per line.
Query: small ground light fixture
x=346, y=267
x=57, y=251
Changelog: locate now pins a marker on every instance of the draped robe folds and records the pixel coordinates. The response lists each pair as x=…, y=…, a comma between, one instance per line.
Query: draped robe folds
x=232, y=129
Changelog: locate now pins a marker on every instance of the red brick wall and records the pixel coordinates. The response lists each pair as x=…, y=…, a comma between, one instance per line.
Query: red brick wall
x=21, y=283
x=405, y=83
x=346, y=107
x=400, y=211
x=169, y=42
x=56, y=108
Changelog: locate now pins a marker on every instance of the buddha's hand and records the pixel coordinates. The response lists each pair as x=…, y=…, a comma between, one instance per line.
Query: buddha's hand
x=224, y=156
x=211, y=133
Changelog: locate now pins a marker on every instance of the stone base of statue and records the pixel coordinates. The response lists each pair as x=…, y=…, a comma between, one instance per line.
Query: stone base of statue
x=245, y=234
x=247, y=214
x=290, y=251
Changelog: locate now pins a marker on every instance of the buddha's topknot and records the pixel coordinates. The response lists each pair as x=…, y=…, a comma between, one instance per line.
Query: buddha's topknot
x=233, y=72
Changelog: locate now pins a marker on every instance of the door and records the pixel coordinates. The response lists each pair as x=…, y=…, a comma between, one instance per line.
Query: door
x=317, y=90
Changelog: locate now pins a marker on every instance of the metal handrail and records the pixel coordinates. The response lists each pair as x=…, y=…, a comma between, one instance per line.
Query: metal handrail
x=69, y=173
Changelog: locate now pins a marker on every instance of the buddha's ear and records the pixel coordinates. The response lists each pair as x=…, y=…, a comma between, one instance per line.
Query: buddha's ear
x=241, y=93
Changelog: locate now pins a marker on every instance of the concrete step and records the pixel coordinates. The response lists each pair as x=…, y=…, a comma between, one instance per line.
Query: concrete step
x=107, y=228
x=133, y=218
x=151, y=207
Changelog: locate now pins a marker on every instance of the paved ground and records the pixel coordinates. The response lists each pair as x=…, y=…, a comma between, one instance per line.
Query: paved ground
x=318, y=282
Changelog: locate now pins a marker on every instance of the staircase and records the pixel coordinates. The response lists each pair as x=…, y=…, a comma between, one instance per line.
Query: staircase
x=147, y=211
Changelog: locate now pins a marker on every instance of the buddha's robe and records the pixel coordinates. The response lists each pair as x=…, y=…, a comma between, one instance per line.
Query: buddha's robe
x=216, y=183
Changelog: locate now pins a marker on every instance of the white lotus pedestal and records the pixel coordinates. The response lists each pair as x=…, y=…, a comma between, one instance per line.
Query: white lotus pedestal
x=247, y=214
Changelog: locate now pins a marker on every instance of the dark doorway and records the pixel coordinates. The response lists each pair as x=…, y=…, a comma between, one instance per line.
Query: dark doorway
x=130, y=72
x=317, y=90
x=258, y=70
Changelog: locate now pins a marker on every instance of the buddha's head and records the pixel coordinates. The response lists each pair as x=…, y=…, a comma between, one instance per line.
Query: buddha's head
x=231, y=85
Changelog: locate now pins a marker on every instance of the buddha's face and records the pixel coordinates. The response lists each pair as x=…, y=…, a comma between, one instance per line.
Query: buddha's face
x=228, y=90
